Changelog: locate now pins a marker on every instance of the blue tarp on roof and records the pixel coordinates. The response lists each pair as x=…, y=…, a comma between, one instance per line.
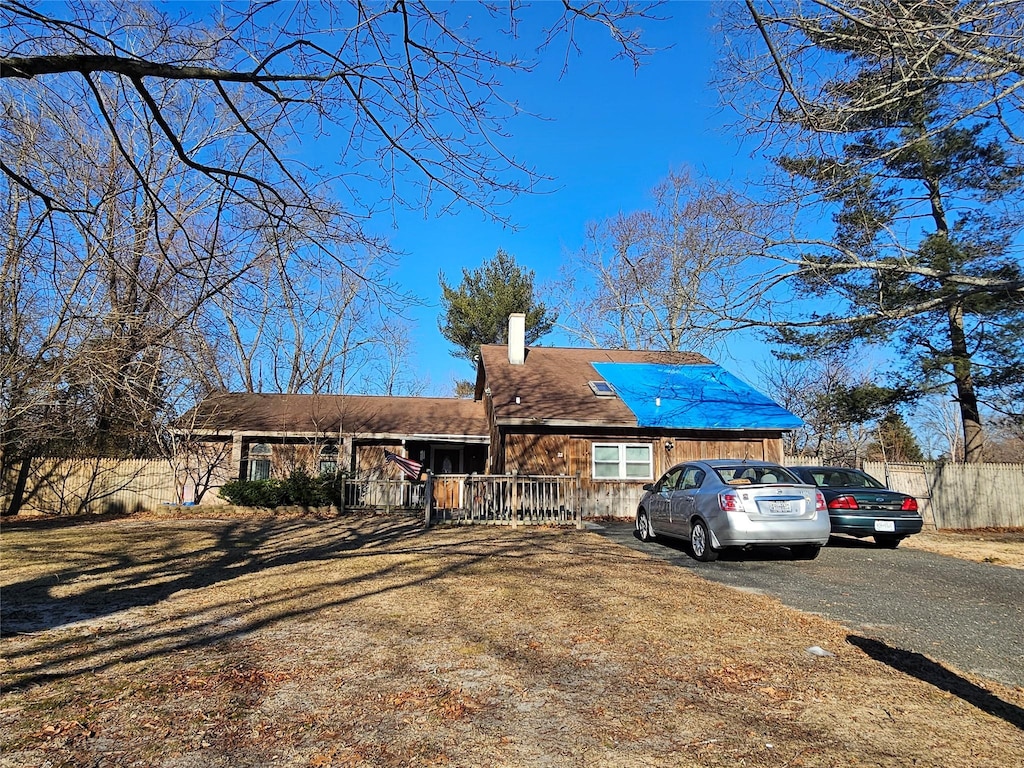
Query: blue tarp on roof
x=693, y=397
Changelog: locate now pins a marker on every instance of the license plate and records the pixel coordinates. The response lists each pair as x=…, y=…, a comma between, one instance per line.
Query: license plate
x=885, y=525
x=778, y=507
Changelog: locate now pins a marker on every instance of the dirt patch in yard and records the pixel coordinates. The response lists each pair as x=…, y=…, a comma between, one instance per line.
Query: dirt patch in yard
x=371, y=642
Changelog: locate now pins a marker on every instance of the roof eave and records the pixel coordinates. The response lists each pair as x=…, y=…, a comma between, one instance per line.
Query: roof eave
x=533, y=422
x=438, y=437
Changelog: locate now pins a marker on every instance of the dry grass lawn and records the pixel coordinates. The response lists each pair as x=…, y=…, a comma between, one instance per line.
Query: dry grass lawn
x=372, y=642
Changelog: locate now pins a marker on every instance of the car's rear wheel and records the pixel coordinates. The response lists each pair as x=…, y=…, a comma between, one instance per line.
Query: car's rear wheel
x=643, y=526
x=888, y=542
x=700, y=542
x=805, y=551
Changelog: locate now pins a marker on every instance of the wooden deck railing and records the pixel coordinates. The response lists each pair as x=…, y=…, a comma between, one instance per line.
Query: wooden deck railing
x=507, y=500
x=383, y=494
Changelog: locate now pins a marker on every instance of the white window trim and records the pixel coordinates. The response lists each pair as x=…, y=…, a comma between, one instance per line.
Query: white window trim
x=328, y=462
x=622, y=449
x=259, y=455
x=259, y=462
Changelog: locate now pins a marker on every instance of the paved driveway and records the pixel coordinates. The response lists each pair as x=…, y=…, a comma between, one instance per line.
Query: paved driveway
x=970, y=615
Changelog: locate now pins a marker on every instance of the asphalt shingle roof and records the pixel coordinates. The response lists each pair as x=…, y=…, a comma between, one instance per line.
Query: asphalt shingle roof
x=329, y=414
x=552, y=385
x=552, y=388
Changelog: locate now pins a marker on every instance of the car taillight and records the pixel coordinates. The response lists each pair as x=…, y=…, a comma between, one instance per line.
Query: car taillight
x=819, y=502
x=909, y=504
x=729, y=501
x=843, y=502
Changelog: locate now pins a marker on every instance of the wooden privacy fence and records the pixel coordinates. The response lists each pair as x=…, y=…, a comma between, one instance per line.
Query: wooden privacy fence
x=76, y=486
x=960, y=495
x=507, y=500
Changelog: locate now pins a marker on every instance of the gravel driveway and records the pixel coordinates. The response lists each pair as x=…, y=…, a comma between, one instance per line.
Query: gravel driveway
x=970, y=615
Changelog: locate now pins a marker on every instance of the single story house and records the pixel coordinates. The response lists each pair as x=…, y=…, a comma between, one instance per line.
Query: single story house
x=616, y=419
x=264, y=435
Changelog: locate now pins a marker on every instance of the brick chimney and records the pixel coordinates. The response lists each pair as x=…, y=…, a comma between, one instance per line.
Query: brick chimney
x=517, y=338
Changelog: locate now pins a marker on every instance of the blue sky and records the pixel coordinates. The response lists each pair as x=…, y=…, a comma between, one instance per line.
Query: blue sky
x=609, y=135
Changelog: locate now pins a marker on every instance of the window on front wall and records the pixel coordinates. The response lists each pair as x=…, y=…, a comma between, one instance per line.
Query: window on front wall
x=622, y=461
x=259, y=469
x=329, y=459
x=259, y=461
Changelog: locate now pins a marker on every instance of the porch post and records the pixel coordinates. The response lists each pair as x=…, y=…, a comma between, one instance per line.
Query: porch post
x=428, y=507
x=577, y=506
x=515, y=498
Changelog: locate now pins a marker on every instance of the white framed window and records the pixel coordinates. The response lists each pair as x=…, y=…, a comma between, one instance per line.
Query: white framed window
x=328, y=459
x=259, y=461
x=622, y=461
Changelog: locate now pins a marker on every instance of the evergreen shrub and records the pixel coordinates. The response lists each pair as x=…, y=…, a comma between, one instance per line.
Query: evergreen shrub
x=298, y=489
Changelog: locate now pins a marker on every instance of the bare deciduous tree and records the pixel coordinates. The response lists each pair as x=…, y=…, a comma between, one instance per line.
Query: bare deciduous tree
x=1007, y=445
x=294, y=323
x=163, y=203
x=810, y=388
x=939, y=417
x=388, y=371
x=665, y=278
x=407, y=88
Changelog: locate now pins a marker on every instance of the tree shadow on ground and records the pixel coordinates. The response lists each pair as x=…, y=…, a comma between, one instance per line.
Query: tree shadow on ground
x=136, y=576
x=923, y=668
x=57, y=522
x=729, y=555
x=151, y=561
x=840, y=541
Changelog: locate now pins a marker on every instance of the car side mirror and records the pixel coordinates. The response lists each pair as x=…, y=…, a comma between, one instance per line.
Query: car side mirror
x=648, y=486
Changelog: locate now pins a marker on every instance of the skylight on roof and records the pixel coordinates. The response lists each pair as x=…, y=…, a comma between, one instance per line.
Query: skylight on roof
x=601, y=388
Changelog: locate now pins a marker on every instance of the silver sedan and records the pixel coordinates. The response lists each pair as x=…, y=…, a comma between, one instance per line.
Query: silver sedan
x=734, y=503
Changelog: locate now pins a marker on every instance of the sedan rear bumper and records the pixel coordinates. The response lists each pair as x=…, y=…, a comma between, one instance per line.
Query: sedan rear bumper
x=859, y=525
x=741, y=531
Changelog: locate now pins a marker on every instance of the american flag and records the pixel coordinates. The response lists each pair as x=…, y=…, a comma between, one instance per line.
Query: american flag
x=412, y=469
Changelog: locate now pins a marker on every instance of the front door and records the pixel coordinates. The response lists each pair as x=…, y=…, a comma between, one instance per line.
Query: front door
x=445, y=460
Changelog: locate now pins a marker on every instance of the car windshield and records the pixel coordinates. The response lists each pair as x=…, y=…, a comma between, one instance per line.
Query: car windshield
x=844, y=478
x=743, y=474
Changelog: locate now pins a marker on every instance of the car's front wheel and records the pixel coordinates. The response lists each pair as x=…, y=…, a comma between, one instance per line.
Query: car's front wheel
x=888, y=542
x=700, y=542
x=643, y=526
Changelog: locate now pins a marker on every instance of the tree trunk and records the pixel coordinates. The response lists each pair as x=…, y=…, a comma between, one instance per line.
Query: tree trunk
x=18, y=492
x=966, y=396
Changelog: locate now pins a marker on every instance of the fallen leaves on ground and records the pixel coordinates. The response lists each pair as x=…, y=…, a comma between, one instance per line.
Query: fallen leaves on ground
x=371, y=642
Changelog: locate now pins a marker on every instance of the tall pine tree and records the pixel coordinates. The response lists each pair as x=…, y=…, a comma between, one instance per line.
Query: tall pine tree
x=476, y=312
x=881, y=106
